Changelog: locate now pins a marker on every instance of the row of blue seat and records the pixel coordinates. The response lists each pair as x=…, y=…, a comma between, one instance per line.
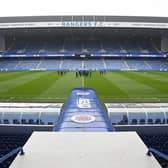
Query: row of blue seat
x=142, y=121
x=90, y=64
x=82, y=46
x=24, y=121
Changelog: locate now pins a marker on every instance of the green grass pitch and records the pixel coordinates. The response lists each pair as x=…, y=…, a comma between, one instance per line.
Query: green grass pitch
x=112, y=87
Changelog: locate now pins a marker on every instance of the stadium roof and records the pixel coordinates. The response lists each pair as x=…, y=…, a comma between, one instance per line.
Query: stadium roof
x=84, y=21
x=87, y=18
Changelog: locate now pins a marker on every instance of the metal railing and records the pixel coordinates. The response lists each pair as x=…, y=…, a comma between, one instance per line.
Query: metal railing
x=10, y=154
x=158, y=153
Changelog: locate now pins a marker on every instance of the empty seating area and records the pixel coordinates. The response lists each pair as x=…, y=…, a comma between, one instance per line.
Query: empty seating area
x=137, y=64
x=93, y=64
x=114, y=46
x=49, y=64
x=137, y=115
x=78, y=64
x=116, y=64
x=71, y=64
x=28, y=64
x=8, y=142
x=159, y=142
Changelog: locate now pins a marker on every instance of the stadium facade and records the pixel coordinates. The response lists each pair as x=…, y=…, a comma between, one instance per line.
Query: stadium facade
x=83, y=44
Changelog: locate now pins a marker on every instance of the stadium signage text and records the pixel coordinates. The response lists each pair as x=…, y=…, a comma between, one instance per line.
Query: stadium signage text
x=83, y=24
x=83, y=118
x=80, y=24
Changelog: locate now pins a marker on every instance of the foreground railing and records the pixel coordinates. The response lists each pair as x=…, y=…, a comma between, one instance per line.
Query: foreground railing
x=10, y=154
x=158, y=153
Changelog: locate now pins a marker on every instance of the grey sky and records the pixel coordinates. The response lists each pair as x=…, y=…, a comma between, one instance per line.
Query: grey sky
x=83, y=7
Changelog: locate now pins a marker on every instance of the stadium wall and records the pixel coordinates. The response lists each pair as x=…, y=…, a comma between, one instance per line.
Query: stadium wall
x=2, y=43
x=164, y=43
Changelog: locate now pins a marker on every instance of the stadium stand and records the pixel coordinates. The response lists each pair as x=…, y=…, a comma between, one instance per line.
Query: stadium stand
x=159, y=142
x=81, y=64
x=9, y=142
x=84, y=43
x=77, y=54
x=82, y=46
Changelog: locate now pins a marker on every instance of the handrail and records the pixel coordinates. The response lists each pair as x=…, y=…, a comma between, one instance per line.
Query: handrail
x=158, y=153
x=13, y=152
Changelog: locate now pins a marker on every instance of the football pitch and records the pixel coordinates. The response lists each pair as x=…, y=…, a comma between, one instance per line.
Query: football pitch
x=112, y=87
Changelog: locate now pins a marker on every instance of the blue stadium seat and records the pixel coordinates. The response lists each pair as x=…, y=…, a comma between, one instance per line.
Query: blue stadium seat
x=6, y=121
x=42, y=122
x=142, y=121
x=31, y=121
x=23, y=121
x=150, y=121
x=158, y=121
x=50, y=123
x=16, y=121
x=37, y=121
x=134, y=121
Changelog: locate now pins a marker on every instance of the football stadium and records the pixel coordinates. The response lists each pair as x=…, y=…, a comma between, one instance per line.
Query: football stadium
x=84, y=91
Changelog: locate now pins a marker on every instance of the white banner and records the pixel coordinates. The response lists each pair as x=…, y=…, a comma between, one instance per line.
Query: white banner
x=84, y=24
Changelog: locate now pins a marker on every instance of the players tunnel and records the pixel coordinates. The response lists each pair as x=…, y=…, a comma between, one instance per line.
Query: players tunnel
x=83, y=113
